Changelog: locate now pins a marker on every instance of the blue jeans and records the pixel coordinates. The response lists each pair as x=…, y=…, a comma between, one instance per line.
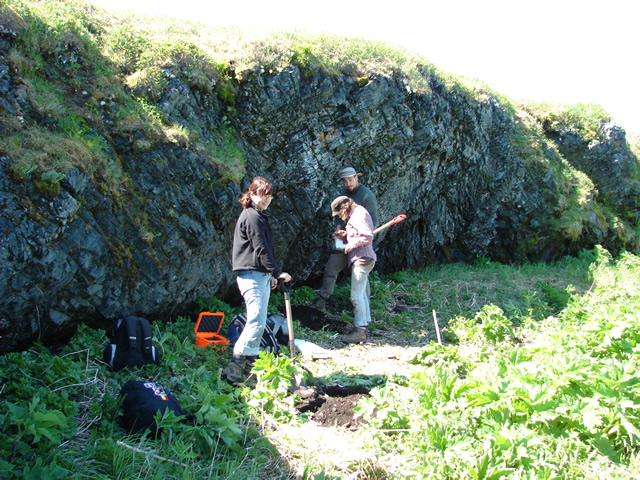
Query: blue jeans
x=255, y=288
x=359, y=294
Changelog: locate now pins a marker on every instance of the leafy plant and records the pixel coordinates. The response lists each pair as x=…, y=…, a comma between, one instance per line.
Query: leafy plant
x=303, y=295
x=35, y=423
x=275, y=377
x=214, y=304
x=29, y=429
x=490, y=324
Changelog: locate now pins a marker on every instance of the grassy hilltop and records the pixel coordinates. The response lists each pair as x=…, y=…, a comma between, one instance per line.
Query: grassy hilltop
x=77, y=61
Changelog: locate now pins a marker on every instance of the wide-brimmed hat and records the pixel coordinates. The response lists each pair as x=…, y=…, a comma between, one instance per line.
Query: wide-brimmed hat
x=348, y=172
x=337, y=203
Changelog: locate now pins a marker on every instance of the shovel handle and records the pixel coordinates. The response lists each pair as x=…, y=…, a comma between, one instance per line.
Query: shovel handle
x=292, y=343
x=284, y=287
x=393, y=221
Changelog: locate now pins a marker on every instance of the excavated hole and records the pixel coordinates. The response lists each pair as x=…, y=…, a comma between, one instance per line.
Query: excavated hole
x=332, y=405
x=328, y=405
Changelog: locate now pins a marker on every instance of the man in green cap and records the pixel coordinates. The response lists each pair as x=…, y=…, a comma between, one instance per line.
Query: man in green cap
x=339, y=261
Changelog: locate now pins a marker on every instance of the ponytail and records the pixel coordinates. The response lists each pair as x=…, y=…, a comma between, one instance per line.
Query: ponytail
x=259, y=186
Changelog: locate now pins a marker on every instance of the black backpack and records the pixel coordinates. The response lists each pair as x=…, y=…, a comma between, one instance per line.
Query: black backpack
x=141, y=401
x=131, y=344
x=268, y=342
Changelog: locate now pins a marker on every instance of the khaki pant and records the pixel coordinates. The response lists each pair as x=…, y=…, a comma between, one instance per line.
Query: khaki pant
x=359, y=292
x=336, y=263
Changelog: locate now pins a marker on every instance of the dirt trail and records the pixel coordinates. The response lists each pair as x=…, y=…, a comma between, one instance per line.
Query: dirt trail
x=333, y=435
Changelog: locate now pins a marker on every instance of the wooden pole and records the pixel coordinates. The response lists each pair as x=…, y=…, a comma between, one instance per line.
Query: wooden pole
x=287, y=306
x=435, y=322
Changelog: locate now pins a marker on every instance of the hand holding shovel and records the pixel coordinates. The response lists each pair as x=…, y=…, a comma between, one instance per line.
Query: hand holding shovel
x=338, y=236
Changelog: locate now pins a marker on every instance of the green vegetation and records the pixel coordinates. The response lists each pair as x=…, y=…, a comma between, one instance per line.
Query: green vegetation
x=581, y=118
x=577, y=201
x=536, y=378
x=524, y=395
x=93, y=74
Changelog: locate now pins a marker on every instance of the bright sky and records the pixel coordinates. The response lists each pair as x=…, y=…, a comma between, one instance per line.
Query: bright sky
x=570, y=51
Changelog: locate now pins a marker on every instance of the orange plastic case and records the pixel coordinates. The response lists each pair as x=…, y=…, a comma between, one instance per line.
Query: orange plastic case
x=207, y=330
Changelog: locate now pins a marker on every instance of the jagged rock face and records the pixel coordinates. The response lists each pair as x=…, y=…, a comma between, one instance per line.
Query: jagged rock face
x=440, y=158
x=608, y=163
x=443, y=162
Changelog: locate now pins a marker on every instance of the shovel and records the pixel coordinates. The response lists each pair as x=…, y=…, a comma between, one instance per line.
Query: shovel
x=284, y=287
x=339, y=243
x=393, y=221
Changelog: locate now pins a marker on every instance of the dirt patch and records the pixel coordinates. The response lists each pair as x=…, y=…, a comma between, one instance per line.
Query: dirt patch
x=339, y=412
x=332, y=405
x=315, y=319
x=332, y=435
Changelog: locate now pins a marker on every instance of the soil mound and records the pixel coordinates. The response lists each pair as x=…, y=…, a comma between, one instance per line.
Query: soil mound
x=315, y=319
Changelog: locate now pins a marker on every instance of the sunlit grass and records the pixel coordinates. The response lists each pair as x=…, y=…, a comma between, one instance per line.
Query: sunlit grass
x=537, y=365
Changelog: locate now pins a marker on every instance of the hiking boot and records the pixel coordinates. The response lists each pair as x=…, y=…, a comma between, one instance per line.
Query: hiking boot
x=234, y=372
x=348, y=329
x=248, y=366
x=358, y=335
x=319, y=303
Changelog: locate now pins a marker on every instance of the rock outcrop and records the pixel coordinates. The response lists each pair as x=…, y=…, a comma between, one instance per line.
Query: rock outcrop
x=444, y=158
